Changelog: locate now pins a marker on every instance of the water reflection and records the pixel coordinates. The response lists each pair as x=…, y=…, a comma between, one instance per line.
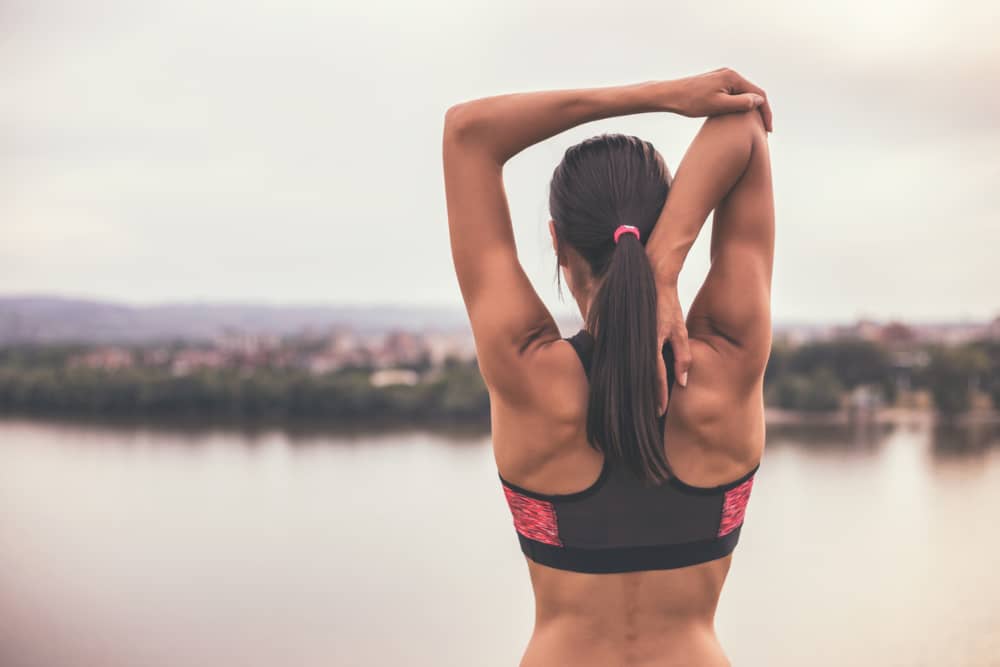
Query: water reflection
x=193, y=430
x=861, y=436
x=972, y=439
x=142, y=546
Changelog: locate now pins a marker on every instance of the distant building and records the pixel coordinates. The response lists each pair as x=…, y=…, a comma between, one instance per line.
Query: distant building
x=442, y=347
x=401, y=347
x=192, y=359
x=245, y=344
x=897, y=333
x=867, y=330
x=954, y=334
x=104, y=358
x=342, y=349
x=322, y=363
x=158, y=356
x=342, y=342
x=390, y=376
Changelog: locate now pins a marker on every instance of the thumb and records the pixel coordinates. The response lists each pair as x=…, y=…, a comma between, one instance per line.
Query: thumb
x=741, y=102
x=661, y=384
x=682, y=356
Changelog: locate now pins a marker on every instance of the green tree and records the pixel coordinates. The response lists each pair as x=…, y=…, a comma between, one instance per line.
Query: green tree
x=991, y=378
x=950, y=375
x=818, y=391
x=852, y=362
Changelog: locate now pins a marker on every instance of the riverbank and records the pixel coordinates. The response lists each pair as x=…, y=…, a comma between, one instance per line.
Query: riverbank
x=779, y=423
x=888, y=415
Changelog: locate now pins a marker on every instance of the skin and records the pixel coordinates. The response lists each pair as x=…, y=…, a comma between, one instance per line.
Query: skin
x=538, y=389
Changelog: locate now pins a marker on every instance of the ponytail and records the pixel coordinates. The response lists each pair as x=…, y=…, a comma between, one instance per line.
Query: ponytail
x=600, y=183
x=622, y=417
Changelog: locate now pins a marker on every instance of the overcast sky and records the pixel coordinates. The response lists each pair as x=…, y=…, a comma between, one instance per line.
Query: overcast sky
x=289, y=152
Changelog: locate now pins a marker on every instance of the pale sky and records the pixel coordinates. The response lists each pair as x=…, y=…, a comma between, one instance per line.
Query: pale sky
x=289, y=152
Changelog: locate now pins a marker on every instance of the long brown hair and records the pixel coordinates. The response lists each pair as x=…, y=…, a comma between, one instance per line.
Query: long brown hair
x=601, y=183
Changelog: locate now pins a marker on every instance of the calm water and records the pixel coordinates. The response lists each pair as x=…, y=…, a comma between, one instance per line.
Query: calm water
x=141, y=547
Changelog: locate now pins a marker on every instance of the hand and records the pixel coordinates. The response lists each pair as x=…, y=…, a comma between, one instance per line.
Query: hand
x=717, y=92
x=670, y=326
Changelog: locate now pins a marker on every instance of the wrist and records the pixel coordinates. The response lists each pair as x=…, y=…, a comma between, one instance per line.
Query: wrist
x=666, y=255
x=653, y=96
x=666, y=280
x=665, y=273
x=667, y=95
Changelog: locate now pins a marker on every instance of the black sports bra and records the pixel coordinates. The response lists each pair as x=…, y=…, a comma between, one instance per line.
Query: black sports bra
x=619, y=524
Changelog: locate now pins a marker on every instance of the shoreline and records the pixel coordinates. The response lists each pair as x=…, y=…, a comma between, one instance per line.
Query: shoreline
x=776, y=418
x=890, y=415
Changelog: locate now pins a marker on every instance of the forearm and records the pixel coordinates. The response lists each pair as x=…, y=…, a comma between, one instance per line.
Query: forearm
x=504, y=125
x=712, y=165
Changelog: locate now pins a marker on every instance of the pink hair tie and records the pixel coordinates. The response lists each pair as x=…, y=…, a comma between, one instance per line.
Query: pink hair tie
x=626, y=229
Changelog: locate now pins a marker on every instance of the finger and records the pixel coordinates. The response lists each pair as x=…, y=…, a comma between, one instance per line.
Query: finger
x=742, y=85
x=661, y=382
x=766, y=116
x=682, y=355
x=729, y=103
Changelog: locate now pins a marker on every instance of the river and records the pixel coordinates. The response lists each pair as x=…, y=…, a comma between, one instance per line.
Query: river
x=140, y=546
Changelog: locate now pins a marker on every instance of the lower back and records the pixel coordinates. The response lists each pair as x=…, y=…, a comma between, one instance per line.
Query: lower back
x=658, y=617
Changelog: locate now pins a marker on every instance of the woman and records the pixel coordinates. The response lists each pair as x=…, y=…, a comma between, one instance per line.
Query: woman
x=627, y=512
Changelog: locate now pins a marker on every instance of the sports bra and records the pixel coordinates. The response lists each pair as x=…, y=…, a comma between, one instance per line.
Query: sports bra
x=620, y=524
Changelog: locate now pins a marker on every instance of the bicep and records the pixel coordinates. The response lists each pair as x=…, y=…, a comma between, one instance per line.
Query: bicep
x=506, y=314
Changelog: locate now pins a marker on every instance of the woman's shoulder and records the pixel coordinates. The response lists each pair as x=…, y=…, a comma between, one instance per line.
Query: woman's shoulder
x=736, y=364
x=714, y=416
x=547, y=418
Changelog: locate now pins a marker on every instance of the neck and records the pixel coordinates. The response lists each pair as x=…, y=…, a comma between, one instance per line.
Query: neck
x=583, y=300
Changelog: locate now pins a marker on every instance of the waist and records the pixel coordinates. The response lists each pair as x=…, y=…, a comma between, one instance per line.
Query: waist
x=660, y=598
x=632, y=642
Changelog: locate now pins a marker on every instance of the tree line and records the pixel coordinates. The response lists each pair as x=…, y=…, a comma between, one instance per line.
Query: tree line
x=816, y=376
x=39, y=381
x=813, y=377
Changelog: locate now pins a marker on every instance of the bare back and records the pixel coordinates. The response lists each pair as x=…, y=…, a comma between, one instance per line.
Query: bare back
x=714, y=433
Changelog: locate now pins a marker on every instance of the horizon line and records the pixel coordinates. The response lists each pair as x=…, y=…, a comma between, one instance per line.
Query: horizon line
x=456, y=307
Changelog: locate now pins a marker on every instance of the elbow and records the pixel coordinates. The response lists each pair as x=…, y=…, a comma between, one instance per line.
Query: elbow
x=464, y=132
x=749, y=123
x=754, y=122
x=459, y=123
x=738, y=121
x=465, y=123
x=741, y=128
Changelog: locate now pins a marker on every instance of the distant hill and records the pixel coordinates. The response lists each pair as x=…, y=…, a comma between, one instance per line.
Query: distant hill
x=54, y=319
x=49, y=319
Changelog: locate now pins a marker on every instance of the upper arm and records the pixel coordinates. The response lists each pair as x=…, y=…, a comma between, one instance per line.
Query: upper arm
x=508, y=319
x=733, y=305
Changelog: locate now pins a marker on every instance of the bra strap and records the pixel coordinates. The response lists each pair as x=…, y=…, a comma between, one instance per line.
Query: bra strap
x=583, y=343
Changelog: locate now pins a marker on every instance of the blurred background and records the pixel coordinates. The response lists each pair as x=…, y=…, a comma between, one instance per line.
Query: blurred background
x=239, y=405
